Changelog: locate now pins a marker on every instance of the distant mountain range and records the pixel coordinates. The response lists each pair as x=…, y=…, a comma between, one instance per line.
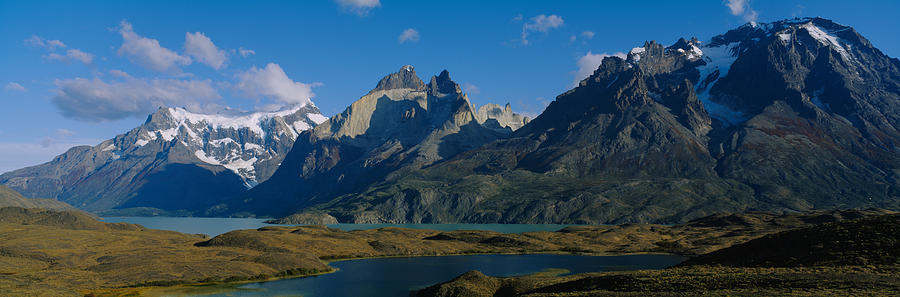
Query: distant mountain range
x=793, y=115
x=176, y=162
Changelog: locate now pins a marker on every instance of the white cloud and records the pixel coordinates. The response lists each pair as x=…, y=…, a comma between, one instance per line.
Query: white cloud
x=64, y=132
x=77, y=54
x=119, y=73
x=246, y=52
x=359, y=7
x=588, y=34
x=540, y=23
x=590, y=62
x=272, y=82
x=55, y=43
x=741, y=7
x=14, y=86
x=518, y=18
x=37, y=41
x=201, y=48
x=410, y=35
x=751, y=15
x=95, y=100
x=147, y=52
x=471, y=89
x=72, y=54
x=736, y=6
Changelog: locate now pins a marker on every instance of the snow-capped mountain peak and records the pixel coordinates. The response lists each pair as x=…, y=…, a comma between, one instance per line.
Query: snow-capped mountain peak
x=240, y=142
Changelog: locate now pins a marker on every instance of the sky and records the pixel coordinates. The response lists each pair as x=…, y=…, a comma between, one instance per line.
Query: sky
x=80, y=72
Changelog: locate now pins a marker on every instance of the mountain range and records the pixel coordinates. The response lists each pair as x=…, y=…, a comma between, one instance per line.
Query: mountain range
x=793, y=115
x=786, y=116
x=177, y=162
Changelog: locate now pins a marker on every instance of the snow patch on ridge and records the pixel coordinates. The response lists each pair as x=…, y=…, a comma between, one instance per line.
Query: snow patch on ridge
x=718, y=61
x=826, y=39
x=250, y=121
x=785, y=37
x=317, y=118
x=636, y=53
x=206, y=159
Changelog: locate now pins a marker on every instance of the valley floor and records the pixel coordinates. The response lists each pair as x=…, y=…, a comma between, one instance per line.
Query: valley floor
x=51, y=253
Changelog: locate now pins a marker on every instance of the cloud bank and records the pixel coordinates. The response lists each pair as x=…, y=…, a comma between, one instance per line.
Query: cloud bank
x=95, y=100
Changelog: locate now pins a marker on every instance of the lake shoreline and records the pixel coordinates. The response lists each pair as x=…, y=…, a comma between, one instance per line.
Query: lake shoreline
x=233, y=286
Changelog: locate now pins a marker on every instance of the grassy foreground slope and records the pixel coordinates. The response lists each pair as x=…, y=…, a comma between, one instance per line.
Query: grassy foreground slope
x=8, y=197
x=847, y=258
x=48, y=253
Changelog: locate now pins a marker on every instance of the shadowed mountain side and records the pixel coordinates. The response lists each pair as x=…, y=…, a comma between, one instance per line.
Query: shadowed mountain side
x=185, y=186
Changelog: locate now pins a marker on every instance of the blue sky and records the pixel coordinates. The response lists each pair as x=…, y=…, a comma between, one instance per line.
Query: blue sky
x=80, y=72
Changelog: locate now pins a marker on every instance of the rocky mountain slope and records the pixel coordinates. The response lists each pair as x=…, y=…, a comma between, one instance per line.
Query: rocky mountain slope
x=401, y=126
x=176, y=161
x=787, y=116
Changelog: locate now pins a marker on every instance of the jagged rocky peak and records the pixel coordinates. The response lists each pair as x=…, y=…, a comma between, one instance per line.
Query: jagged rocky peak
x=405, y=78
x=499, y=117
x=442, y=84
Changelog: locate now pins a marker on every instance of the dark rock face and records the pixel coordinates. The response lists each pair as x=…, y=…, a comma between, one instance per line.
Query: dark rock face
x=176, y=161
x=787, y=116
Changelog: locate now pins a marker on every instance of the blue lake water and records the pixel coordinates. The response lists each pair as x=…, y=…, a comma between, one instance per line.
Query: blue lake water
x=216, y=226
x=398, y=276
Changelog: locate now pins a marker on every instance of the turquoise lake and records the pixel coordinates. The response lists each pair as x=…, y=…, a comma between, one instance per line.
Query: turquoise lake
x=216, y=226
x=399, y=276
